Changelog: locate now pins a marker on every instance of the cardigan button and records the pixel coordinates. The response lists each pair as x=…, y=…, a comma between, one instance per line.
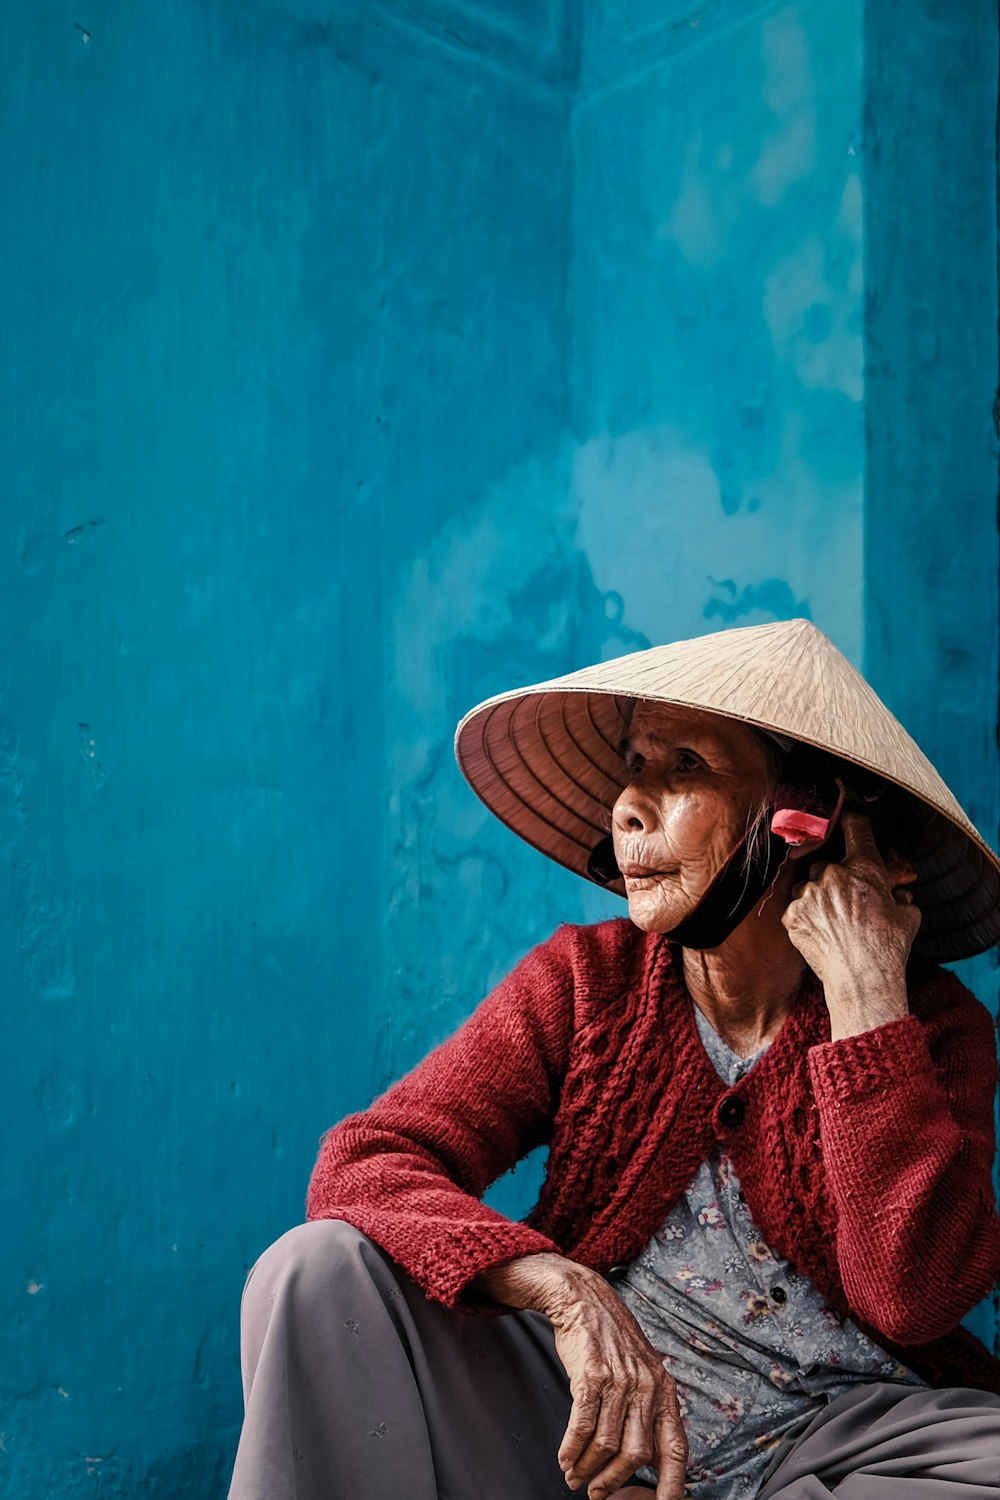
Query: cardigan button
x=732, y=1111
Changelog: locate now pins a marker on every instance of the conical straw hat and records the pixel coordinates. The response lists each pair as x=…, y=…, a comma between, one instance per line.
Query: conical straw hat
x=545, y=759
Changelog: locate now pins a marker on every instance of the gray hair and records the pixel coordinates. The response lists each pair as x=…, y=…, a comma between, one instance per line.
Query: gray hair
x=775, y=747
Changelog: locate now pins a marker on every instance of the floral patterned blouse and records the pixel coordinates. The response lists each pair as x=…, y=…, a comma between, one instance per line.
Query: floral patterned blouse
x=754, y=1349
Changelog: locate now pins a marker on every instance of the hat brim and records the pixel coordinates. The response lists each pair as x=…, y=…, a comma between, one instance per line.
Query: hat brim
x=547, y=762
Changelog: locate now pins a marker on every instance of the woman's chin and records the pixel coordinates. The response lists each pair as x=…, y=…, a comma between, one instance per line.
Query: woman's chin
x=651, y=912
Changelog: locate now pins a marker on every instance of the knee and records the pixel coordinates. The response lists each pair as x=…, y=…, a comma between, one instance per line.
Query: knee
x=307, y=1264
x=324, y=1242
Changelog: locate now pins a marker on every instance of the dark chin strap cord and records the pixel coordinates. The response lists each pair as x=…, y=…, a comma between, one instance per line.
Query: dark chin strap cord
x=736, y=889
x=738, y=885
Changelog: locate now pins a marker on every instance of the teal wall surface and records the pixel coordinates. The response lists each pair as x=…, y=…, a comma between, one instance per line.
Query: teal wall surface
x=283, y=298
x=718, y=300
x=361, y=360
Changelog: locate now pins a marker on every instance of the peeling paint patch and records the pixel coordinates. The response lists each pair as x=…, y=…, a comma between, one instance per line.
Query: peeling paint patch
x=811, y=308
x=49, y=547
x=47, y=920
x=34, y=1287
x=76, y=532
x=773, y=599
x=87, y=750
x=658, y=484
x=789, y=150
x=58, y=1097
x=12, y=819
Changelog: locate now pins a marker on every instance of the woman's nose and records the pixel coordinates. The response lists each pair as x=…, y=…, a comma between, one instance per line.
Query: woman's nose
x=631, y=813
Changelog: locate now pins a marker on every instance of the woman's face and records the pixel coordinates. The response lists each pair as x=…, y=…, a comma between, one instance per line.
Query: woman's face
x=694, y=781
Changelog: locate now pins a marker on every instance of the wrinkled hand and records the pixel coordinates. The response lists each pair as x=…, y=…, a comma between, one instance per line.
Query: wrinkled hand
x=625, y=1411
x=854, y=925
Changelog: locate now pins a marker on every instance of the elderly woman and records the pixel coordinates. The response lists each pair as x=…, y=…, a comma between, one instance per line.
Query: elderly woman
x=769, y=1112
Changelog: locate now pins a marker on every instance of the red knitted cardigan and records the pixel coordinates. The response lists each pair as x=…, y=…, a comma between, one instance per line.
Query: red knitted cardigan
x=865, y=1161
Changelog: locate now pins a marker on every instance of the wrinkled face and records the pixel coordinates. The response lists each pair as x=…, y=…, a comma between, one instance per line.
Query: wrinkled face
x=694, y=781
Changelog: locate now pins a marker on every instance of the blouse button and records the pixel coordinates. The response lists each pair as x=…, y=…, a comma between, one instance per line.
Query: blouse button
x=732, y=1111
x=779, y=1294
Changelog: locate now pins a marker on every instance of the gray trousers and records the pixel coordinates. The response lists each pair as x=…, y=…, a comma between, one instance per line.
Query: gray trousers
x=358, y=1387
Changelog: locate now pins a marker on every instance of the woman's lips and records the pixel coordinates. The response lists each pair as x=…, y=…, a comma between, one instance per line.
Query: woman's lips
x=640, y=872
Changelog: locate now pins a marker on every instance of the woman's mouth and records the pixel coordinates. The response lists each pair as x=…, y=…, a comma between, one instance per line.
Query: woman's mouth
x=640, y=872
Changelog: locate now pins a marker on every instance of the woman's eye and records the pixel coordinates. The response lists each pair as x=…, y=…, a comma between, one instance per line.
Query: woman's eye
x=634, y=766
x=687, y=761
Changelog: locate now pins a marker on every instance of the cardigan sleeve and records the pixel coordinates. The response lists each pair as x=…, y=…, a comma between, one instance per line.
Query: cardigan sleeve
x=907, y=1132
x=409, y=1171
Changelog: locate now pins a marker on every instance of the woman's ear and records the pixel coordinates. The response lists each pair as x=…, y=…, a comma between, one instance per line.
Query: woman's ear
x=806, y=811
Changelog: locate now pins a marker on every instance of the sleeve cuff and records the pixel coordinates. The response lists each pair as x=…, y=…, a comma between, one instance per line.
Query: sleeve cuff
x=453, y=1258
x=869, y=1062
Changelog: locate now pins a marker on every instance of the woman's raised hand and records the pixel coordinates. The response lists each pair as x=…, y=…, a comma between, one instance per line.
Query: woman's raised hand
x=854, y=924
x=851, y=917
x=625, y=1411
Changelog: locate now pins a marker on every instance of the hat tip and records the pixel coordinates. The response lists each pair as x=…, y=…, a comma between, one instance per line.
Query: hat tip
x=798, y=625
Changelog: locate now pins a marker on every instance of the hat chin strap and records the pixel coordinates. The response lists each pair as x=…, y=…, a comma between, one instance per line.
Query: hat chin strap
x=737, y=885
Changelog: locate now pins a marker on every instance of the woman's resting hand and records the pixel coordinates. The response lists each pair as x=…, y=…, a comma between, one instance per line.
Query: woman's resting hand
x=625, y=1412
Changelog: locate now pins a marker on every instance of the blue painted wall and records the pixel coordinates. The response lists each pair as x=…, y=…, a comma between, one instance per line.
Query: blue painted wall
x=283, y=296
x=717, y=287
x=361, y=360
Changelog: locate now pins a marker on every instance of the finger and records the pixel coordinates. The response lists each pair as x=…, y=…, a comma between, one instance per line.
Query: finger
x=671, y=1453
x=817, y=867
x=859, y=840
x=580, y=1428
x=901, y=870
x=635, y=1450
x=606, y=1441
